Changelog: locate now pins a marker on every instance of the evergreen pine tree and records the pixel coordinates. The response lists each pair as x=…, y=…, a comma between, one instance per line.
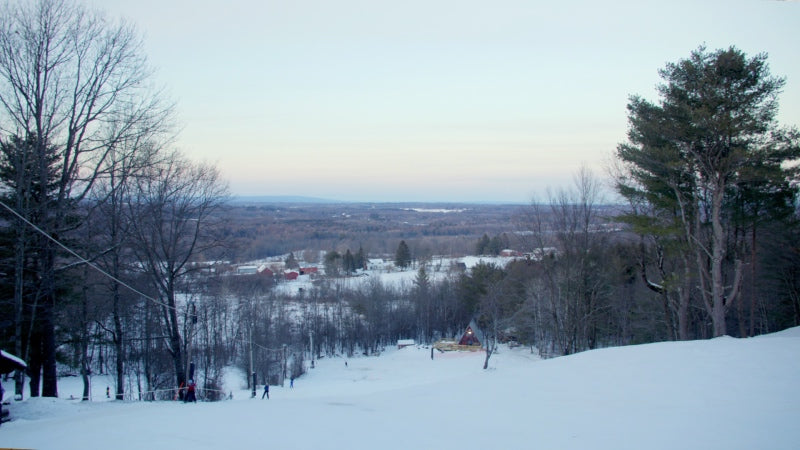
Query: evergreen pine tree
x=711, y=142
x=349, y=263
x=402, y=257
x=291, y=262
x=361, y=259
x=482, y=246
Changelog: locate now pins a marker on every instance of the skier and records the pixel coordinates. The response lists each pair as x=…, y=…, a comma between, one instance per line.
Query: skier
x=266, y=391
x=190, y=395
x=291, y=383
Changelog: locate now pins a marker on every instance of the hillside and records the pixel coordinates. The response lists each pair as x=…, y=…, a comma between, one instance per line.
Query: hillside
x=259, y=230
x=723, y=393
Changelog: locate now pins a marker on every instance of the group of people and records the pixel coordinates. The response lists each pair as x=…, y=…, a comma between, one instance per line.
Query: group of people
x=266, y=389
x=189, y=392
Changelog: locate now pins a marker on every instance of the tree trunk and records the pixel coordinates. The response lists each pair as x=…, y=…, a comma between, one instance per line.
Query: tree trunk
x=119, y=344
x=35, y=363
x=83, y=339
x=19, y=307
x=719, y=304
x=753, y=284
x=175, y=339
x=684, y=299
x=49, y=369
x=85, y=376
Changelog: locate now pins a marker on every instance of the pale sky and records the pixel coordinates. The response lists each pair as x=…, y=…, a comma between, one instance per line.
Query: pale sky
x=425, y=100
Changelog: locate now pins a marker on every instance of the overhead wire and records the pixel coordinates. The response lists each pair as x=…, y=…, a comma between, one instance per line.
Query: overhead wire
x=84, y=260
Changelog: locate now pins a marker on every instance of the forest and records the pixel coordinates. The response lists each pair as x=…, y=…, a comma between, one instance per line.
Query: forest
x=119, y=254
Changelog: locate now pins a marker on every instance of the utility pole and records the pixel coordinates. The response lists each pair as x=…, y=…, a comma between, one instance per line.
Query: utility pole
x=252, y=370
x=284, y=365
x=311, y=343
x=189, y=339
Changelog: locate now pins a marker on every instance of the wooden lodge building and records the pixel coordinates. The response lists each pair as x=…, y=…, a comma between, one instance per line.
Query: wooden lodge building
x=472, y=339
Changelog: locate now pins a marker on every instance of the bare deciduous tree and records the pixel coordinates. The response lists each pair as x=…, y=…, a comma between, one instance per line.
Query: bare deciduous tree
x=571, y=287
x=71, y=80
x=174, y=210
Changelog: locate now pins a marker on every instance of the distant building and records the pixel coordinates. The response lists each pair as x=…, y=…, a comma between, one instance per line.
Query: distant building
x=458, y=267
x=401, y=343
x=291, y=275
x=246, y=270
x=472, y=336
x=541, y=253
x=376, y=264
x=471, y=339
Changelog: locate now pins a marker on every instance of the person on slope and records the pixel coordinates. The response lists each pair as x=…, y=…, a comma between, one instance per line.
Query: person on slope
x=190, y=393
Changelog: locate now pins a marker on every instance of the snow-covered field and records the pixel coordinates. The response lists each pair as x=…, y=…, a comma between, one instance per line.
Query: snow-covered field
x=438, y=269
x=723, y=393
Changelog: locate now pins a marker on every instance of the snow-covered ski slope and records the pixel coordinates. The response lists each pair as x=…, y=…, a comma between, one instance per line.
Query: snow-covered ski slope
x=722, y=393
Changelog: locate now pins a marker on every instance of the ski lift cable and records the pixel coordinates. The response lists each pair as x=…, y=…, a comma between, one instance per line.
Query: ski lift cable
x=84, y=260
x=276, y=350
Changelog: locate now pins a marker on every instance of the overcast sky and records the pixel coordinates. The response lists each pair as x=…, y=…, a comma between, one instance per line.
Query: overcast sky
x=426, y=100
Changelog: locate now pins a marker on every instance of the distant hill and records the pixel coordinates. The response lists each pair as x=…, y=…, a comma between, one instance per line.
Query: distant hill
x=249, y=199
x=280, y=199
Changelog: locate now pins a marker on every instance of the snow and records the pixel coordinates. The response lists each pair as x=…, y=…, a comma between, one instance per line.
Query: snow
x=13, y=358
x=437, y=210
x=396, y=278
x=723, y=393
